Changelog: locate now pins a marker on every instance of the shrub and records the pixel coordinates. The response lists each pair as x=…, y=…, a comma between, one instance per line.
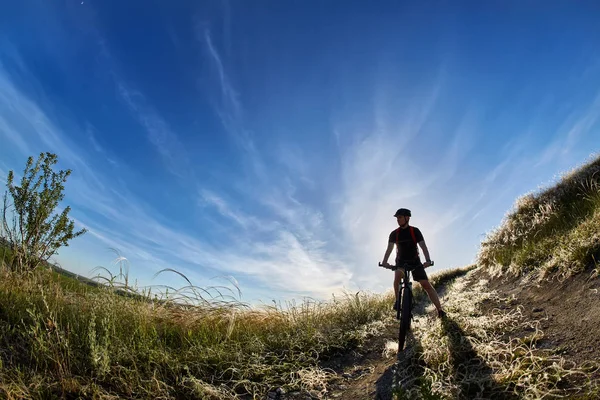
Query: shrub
x=31, y=227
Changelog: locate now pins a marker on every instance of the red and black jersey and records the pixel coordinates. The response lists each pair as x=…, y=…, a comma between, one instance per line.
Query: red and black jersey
x=406, y=243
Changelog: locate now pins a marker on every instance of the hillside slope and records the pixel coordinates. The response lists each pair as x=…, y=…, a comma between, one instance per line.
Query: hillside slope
x=569, y=313
x=491, y=346
x=550, y=234
x=546, y=256
x=525, y=323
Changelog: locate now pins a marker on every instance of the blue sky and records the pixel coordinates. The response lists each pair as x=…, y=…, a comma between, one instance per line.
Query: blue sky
x=271, y=142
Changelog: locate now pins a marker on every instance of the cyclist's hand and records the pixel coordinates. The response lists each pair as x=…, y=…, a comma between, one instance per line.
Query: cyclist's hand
x=385, y=264
x=427, y=264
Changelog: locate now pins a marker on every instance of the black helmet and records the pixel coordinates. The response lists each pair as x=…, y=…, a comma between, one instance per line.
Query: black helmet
x=402, y=211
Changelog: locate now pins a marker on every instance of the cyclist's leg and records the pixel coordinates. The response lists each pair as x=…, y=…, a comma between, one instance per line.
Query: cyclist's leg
x=398, y=276
x=430, y=290
x=421, y=276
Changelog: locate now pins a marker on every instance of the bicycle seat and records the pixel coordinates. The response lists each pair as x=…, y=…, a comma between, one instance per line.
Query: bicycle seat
x=407, y=266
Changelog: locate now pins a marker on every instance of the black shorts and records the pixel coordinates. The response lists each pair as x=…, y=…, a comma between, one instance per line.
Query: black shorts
x=418, y=273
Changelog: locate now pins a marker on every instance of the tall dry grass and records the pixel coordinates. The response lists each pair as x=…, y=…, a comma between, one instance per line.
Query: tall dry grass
x=62, y=338
x=551, y=233
x=59, y=338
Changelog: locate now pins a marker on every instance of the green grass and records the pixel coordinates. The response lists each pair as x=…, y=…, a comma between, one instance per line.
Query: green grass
x=553, y=233
x=58, y=340
x=5, y=254
x=62, y=338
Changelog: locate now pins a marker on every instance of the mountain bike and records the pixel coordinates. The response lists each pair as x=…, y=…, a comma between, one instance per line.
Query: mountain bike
x=404, y=302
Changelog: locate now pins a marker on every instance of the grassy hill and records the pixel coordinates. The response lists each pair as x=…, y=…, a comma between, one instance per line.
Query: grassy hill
x=553, y=233
x=524, y=323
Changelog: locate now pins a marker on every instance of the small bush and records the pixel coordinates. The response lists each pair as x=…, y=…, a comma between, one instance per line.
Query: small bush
x=31, y=226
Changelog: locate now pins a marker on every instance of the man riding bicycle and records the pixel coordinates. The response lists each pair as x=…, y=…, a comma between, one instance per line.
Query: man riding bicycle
x=406, y=238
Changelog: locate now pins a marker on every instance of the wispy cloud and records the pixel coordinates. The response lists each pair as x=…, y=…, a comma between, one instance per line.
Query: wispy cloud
x=284, y=252
x=91, y=193
x=159, y=133
x=292, y=252
x=228, y=106
x=292, y=220
x=211, y=199
x=229, y=95
x=577, y=124
x=297, y=163
x=379, y=173
x=583, y=125
x=11, y=134
x=90, y=130
x=25, y=122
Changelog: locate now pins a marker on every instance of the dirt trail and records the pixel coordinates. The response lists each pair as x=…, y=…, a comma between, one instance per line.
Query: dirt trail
x=569, y=311
x=368, y=372
x=364, y=373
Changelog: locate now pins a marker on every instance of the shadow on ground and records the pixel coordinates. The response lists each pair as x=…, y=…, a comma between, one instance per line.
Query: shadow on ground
x=407, y=372
x=384, y=384
x=470, y=372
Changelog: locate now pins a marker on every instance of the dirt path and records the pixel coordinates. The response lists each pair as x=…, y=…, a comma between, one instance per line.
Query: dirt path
x=364, y=373
x=569, y=313
x=368, y=373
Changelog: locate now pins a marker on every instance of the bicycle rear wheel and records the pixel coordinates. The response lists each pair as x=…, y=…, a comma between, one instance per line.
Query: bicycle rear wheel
x=405, y=317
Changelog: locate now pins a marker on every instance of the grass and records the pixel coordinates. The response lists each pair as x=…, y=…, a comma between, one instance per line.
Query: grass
x=62, y=338
x=553, y=233
x=475, y=354
x=440, y=279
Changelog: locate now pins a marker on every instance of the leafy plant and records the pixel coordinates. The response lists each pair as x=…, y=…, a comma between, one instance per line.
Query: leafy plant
x=31, y=225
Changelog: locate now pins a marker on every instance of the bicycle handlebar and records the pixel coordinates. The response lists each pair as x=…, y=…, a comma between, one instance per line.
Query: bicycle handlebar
x=392, y=267
x=406, y=266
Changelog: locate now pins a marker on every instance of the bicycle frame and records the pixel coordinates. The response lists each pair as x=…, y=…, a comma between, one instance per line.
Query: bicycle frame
x=406, y=283
x=404, y=302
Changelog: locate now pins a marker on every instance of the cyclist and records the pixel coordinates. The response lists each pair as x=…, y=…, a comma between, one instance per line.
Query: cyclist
x=406, y=238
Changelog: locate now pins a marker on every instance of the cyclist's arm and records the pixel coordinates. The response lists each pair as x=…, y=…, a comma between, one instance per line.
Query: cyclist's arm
x=425, y=250
x=388, y=251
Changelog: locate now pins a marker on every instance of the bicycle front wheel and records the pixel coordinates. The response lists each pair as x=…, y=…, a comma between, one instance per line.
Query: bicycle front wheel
x=405, y=317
